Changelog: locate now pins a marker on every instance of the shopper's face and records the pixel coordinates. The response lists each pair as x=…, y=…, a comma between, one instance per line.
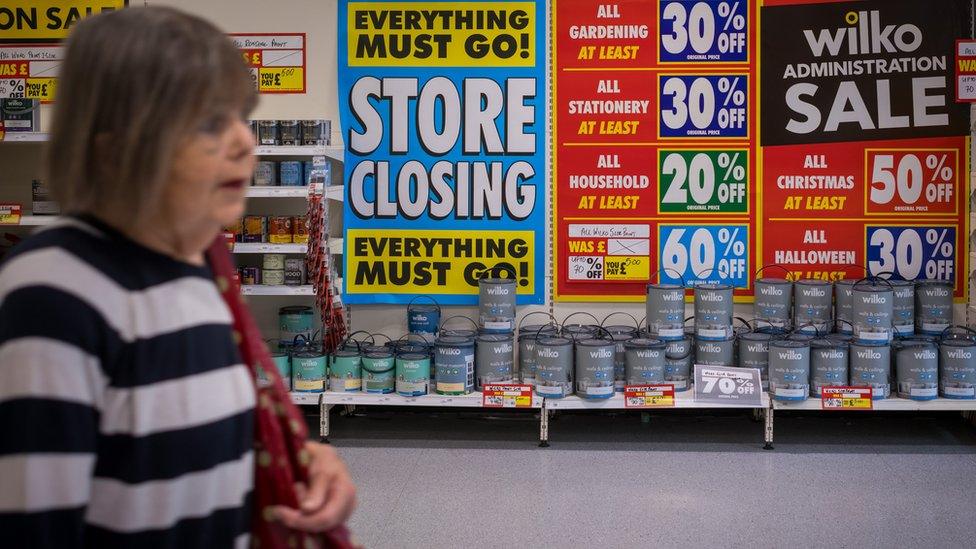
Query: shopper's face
x=210, y=174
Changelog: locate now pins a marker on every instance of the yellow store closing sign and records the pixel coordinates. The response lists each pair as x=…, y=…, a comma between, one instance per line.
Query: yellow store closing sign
x=47, y=20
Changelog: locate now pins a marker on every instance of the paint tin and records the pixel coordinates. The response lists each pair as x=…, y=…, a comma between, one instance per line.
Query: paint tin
x=273, y=261
x=554, y=366
x=917, y=369
x=665, y=304
x=289, y=132
x=957, y=363
x=459, y=332
x=316, y=132
x=828, y=364
x=494, y=359
x=379, y=369
x=812, y=305
x=774, y=299
x=295, y=321
x=279, y=231
x=871, y=367
x=715, y=352
x=496, y=304
x=903, y=308
x=754, y=353
x=595, y=360
x=933, y=306
x=268, y=133
x=873, y=309
x=345, y=373
x=713, y=311
x=291, y=173
x=677, y=363
x=299, y=229
x=619, y=334
x=454, y=365
x=412, y=373
x=423, y=318
x=294, y=272
x=644, y=361
x=308, y=372
x=265, y=173
x=255, y=228
x=283, y=364
x=273, y=277
x=250, y=276
x=526, y=356
x=844, y=305
x=789, y=369
x=577, y=332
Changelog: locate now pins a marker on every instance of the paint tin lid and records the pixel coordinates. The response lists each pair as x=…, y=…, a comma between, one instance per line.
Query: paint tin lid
x=454, y=341
x=595, y=343
x=554, y=341
x=413, y=356
x=644, y=343
x=346, y=353
x=708, y=286
x=665, y=286
x=828, y=343
x=958, y=342
x=813, y=282
x=495, y=338
x=462, y=333
x=872, y=288
x=774, y=281
x=933, y=282
x=497, y=280
x=789, y=344
x=846, y=282
x=756, y=336
x=422, y=308
x=913, y=343
x=295, y=310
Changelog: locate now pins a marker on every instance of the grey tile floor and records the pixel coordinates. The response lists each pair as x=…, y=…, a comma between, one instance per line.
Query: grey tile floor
x=446, y=479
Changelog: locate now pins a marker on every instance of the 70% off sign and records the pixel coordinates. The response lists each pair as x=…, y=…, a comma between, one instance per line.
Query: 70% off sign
x=728, y=386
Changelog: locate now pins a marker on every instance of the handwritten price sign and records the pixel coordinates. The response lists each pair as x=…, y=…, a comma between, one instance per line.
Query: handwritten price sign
x=29, y=72
x=846, y=398
x=649, y=396
x=506, y=396
x=277, y=61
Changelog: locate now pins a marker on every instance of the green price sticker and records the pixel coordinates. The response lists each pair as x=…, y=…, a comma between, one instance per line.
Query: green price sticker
x=703, y=181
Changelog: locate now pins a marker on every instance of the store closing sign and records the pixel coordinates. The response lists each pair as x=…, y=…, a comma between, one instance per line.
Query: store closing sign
x=443, y=111
x=47, y=20
x=865, y=154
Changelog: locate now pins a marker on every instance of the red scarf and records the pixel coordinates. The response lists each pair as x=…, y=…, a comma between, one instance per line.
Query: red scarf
x=280, y=431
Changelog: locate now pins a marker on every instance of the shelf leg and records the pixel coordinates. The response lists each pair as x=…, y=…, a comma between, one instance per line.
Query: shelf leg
x=544, y=427
x=324, y=420
x=768, y=412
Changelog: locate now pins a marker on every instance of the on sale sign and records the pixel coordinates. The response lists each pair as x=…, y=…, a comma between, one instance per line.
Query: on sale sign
x=506, y=396
x=29, y=71
x=846, y=398
x=277, y=60
x=649, y=396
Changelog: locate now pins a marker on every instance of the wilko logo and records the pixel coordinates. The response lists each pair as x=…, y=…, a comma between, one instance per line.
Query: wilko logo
x=711, y=348
x=790, y=355
x=602, y=353
x=502, y=349
x=960, y=355
x=926, y=355
x=673, y=296
x=771, y=290
x=648, y=354
x=547, y=352
x=874, y=299
x=936, y=292
x=758, y=348
x=497, y=291
x=865, y=35
x=447, y=351
x=832, y=355
x=813, y=292
x=712, y=297
x=869, y=354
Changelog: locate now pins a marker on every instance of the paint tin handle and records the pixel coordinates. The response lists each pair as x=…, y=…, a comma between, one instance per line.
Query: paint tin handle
x=432, y=300
x=669, y=270
x=842, y=321
x=744, y=321
x=537, y=313
x=356, y=341
x=875, y=278
x=948, y=333
x=621, y=313
x=450, y=318
x=777, y=265
x=563, y=325
x=643, y=322
x=408, y=336
x=388, y=338
x=799, y=329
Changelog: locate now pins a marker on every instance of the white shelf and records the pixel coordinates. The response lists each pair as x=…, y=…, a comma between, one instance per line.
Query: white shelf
x=472, y=400
x=262, y=191
x=265, y=248
x=684, y=399
x=335, y=152
x=893, y=404
x=29, y=220
x=261, y=289
x=25, y=137
x=309, y=399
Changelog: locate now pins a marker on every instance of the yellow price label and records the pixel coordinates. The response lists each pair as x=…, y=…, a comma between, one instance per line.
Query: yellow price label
x=41, y=88
x=626, y=268
x=523, y=401
x=856, y=403
x=281, y=79
x=10, y=214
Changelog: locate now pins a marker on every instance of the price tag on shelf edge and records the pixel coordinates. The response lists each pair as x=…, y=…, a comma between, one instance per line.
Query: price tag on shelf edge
x=10, y=214
x=846, y=398
x=506, y=396
x=649, y=396
x=728, y=386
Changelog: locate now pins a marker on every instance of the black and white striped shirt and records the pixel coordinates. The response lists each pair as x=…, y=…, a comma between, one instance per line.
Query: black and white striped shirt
x=126, y=416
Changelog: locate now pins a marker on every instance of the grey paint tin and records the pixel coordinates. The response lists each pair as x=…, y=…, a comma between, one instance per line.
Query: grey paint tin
x=873, y=310
x=595, y=368
x=828, y=364
x=554, y=366
x=844, y=305
x=933, y=306
x=917, y=369
x=713, y=311
x=789, y=369
x=957, y=369
x=715, y=352
x=754, y=353
x=494, y=359
x=496, y=304
x=812, y=305
x=677, y=363
x=903, y=310
x=774, y=300
x=620, y=334
x=870, y=367
x=665, y=304
x=526, y=352
x=645, y=361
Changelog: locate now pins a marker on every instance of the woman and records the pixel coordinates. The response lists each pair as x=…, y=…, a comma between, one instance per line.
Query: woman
x=127, y=393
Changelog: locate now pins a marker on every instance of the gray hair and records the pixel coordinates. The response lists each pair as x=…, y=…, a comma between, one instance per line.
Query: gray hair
x=133, y=86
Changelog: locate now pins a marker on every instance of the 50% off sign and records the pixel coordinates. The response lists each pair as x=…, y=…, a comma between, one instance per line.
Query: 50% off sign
x=728, y=386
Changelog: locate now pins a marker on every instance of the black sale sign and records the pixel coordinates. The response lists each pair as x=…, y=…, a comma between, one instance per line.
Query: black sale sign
x=857, y=71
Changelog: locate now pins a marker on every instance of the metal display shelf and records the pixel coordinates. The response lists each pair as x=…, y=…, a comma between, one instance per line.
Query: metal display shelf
x=260, y=289
x=682, y=400
x=265, y=248
x=359, y=398
x=335, y=152
x=306, y=399
x=25, y=137
x=265, y=191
